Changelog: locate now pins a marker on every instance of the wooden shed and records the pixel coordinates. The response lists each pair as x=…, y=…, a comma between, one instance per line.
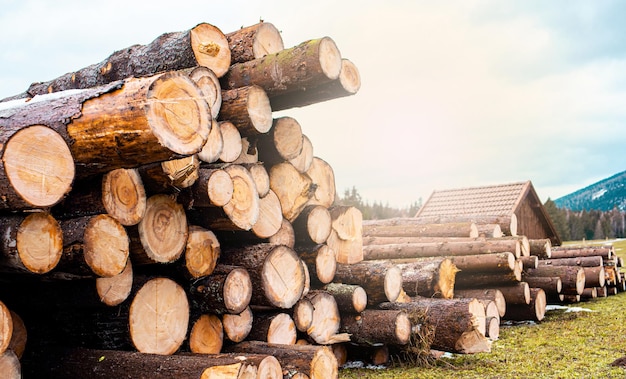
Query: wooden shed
x=515, y=200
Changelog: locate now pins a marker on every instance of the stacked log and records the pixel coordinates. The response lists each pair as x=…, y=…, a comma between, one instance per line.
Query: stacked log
x=162, y=212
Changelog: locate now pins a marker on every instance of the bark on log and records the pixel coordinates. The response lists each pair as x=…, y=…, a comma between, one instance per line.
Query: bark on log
x=273, y=328
x=313, y=225
x=551, y=285
x=10, y=365
x=493, y=328
x=574, y=252
x=325, y=321
x=494, y=262
x=121, y=195
x=318, y=362
x=31, y=243
x=275, y=270
x=162, y=233
x=487, y=279
x=490, y=294
x=206, y=335
x=158, y=317
x=255, y=41
x=428, y=277
x=170, y=176
x=508, y=223
x=541, y=247
x=323, y=178
x=156, y=119
x=202, y=251
x=304, y=160
x=37, y=167
x=535, y=310
x=248, y=108
x=413, y=227
x=381, y=280
x=374, y=327
x=310, y=63
x=350, y=298
x=66, y=363
x=572, y=277
x=489, y=230
x=458, y=324
x=591, y=261
x=227, y=290
x=531, y=261
x=321, y=261
x=214, y=188
x=347, y=84
x=448, y=247
x=518, y=293
x=94, y=245
x=237, y=326
x=294, y=190
x=202, y=45
x=282, y=143
x=594, y=276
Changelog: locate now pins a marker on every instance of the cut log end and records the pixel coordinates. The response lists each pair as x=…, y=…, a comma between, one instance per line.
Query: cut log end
x=10, y=365
x=124, y=196
x=202, y=251
x=159, y=316
x=178, y=116
x=163, y=230
x=237, y=326
x=210, y=48
x=267, y=41
x=324, y=364
x=287, y=137
x=446, y=279
x=282, y=330
x=6, y=327
x=270, y=216
x=214, y=144
x=207, y=335
x=115, y=289
x=330, y=58
x=237, y=290
x=349, y=76
x=284, y=277
x=106, y=247
x=269, y=368
x=325, y=264
x=359, y=300
x=243, y=209
x=39, y=165
x=40, y=242
x=403, y=328
x=259, y=110
x=393, y=283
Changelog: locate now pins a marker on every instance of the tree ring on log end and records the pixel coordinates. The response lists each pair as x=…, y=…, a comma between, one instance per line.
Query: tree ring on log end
x=178, y=116
x=106, y=247
x=124, y=196
x=283, y=276
x=39, y=242
x=393, y=283
x=6, y=327
x=237, y=285
x=403, y=328
x=159, y=317
x=330, y=58
x=39, y=165
x=324, y=364
x=163, y=231
x=210, y=48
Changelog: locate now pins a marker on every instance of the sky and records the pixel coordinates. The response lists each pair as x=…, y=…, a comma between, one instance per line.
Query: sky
x=454, y=94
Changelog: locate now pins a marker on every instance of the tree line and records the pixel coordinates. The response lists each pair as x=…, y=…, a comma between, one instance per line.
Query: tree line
x=586, y=224
x=376, y=210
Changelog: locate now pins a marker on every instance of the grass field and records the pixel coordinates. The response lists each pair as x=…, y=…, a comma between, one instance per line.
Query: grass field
x=580, y=341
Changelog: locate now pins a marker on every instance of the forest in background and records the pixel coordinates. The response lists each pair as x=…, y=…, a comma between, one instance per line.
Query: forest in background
x=376, y=210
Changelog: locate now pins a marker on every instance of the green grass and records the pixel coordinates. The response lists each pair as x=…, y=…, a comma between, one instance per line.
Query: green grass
x=564, y=345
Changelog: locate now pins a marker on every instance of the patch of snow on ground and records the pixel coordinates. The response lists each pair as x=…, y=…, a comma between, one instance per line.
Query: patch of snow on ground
x=360, y=364
x=552, y=307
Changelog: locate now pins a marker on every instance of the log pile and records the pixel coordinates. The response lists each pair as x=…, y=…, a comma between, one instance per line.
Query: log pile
x=159, y=221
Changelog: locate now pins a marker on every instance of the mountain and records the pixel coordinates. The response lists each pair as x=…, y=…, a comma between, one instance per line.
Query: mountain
x=603, y=195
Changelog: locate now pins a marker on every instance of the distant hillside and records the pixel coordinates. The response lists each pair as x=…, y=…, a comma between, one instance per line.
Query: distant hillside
x=603, y=195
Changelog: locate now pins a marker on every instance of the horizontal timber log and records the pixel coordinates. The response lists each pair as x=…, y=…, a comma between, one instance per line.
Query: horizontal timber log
x=254, y=41
x=413, y=227
x=381, y=280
